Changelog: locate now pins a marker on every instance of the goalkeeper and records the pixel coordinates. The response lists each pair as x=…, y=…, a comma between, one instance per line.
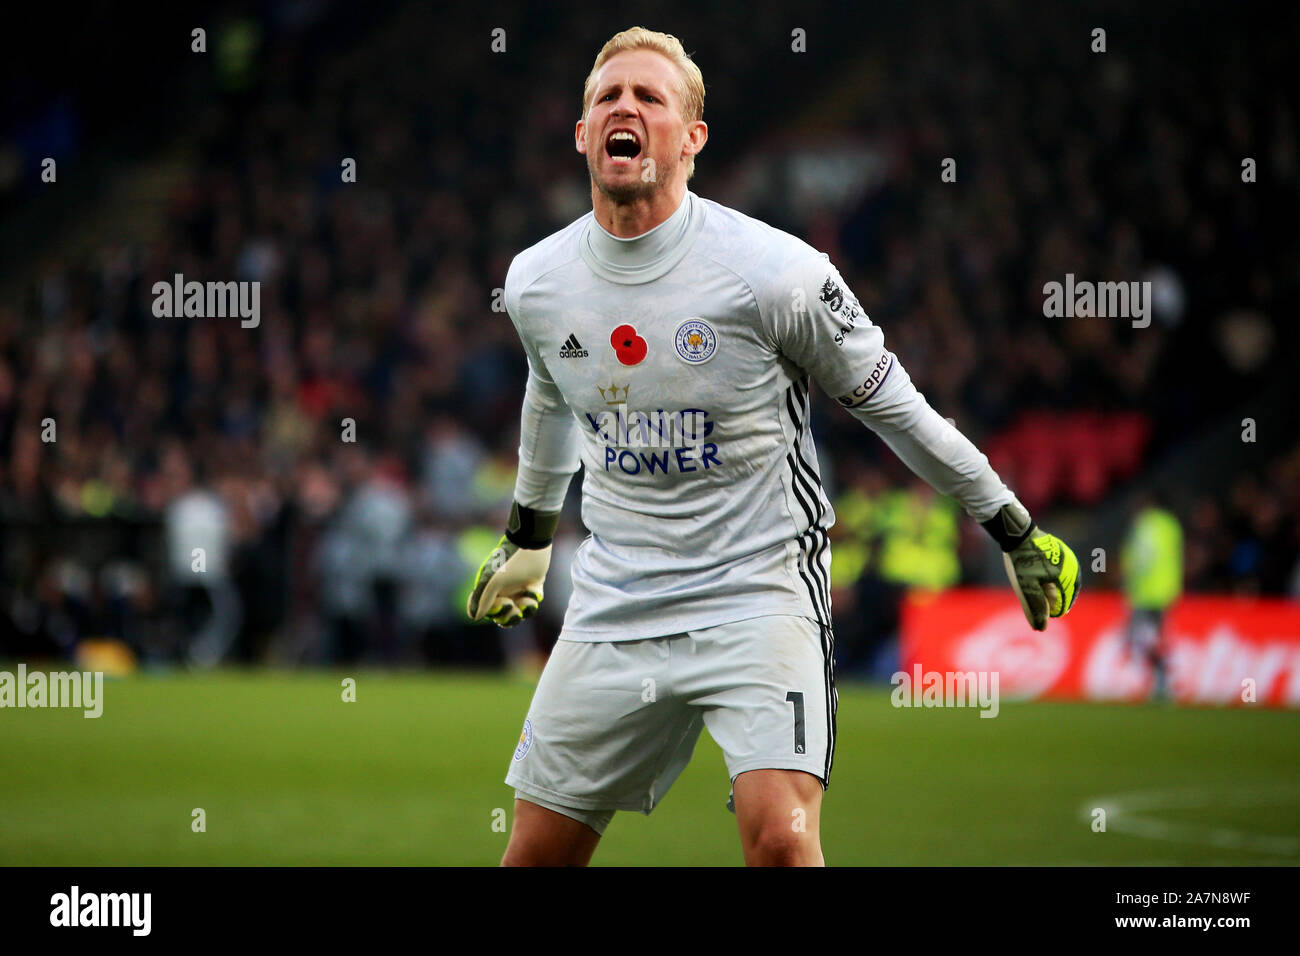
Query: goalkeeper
x=670, y=343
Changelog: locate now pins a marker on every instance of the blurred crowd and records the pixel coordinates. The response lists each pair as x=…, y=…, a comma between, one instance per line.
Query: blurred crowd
x=349, y=461
x=1247, y=541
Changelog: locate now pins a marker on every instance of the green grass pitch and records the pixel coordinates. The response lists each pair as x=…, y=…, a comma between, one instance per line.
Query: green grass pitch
x=411, y=774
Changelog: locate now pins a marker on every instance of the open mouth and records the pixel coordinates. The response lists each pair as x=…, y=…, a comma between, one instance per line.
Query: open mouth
x=622, y=144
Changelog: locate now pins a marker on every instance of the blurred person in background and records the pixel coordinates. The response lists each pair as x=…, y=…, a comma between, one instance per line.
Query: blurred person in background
x=198, y=534
x=451, y=458
x=866, y=603
x=362, y=555
x=344, y=602
x=429, y=598
x=1152, y=566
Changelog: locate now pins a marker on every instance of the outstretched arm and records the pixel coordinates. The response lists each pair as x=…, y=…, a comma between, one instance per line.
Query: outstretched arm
x=1041, y=567
x=825, y=332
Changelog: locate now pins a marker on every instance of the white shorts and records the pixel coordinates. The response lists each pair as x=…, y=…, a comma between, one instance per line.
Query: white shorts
x=613, y=723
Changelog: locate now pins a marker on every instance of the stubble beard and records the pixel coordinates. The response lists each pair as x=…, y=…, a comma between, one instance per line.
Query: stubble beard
x=624, y=194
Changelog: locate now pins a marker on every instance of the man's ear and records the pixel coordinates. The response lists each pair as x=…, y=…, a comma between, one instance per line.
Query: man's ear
x=697, y=134
x=580, y=136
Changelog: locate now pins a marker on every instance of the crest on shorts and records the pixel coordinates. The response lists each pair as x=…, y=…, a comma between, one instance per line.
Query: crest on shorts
x=525, y=740
x=696, y=341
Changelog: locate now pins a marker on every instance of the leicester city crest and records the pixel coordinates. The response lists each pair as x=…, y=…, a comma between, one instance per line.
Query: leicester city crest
x=525, y=740
x=695, y=341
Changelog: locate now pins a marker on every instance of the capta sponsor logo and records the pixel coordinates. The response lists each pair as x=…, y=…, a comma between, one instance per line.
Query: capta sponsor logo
x=871, y=384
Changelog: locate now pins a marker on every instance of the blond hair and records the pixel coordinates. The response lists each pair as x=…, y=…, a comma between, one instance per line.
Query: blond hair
x=691, y=88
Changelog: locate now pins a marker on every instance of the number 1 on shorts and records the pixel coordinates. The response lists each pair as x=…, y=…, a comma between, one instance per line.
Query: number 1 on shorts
x=796, y=697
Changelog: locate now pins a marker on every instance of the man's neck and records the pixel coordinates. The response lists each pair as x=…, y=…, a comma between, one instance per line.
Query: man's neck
x=629, y=220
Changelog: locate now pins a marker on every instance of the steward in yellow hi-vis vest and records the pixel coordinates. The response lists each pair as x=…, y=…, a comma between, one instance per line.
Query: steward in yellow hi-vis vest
x=1152, y=563
x=1153, y=560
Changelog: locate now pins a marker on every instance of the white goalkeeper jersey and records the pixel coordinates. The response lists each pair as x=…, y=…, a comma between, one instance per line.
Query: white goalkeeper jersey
x=677, y=367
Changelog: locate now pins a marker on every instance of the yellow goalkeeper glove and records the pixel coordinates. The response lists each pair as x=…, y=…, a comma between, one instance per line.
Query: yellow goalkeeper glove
x=1043, y=570
x=508, y=588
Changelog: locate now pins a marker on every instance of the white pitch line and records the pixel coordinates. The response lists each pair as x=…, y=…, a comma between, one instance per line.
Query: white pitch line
x=1130, y=813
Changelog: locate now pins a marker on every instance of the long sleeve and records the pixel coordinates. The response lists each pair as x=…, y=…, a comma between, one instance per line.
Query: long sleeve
x=548, y=446
x=825, y=331
x=548, y=433
x=932, y=447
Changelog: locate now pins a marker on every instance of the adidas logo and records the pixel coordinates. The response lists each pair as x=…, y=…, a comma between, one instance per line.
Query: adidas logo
x=572, y=348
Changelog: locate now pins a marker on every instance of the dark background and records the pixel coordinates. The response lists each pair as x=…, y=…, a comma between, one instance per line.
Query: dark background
x=377, y=296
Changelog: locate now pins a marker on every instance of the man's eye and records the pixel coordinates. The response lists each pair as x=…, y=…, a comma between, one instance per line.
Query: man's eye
x=607, y=96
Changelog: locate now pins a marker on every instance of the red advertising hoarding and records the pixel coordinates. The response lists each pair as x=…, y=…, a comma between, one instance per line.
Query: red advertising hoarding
x=1220, y=650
